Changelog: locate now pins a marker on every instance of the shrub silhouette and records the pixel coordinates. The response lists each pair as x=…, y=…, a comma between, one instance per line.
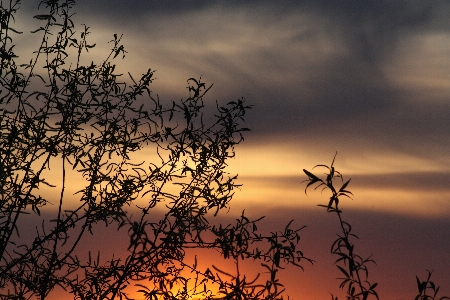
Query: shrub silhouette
x=85, y=124
x=354, y=267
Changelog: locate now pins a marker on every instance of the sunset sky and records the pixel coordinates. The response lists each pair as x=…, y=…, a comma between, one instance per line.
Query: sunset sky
x=368, y=79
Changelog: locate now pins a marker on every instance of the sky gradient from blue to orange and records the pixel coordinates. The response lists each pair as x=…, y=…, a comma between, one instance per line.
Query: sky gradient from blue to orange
x=369, y=79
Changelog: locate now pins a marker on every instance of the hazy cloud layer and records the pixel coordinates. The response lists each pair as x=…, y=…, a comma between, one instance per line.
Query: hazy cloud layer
x=370, y=74
x=369, y=79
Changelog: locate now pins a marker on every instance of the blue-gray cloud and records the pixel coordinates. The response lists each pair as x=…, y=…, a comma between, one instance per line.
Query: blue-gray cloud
x=313, y=69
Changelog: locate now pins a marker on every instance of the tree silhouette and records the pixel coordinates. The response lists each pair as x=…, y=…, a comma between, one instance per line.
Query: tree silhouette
x=152, y=170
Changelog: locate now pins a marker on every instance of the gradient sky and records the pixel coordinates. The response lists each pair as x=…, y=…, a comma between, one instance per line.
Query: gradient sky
x=369, y=79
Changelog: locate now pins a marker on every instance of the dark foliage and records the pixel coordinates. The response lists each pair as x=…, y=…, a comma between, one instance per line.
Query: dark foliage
x=135, y=158
x=354, y=267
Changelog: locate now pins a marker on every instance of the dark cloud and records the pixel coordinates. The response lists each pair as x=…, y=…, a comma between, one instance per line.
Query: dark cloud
x=313, y=69
x=372, y=27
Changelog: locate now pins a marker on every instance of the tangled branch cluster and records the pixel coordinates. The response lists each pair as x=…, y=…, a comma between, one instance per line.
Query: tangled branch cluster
x=60, y=118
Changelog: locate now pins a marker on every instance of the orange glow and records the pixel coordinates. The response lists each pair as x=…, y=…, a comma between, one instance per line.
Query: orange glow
x=271, y=176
